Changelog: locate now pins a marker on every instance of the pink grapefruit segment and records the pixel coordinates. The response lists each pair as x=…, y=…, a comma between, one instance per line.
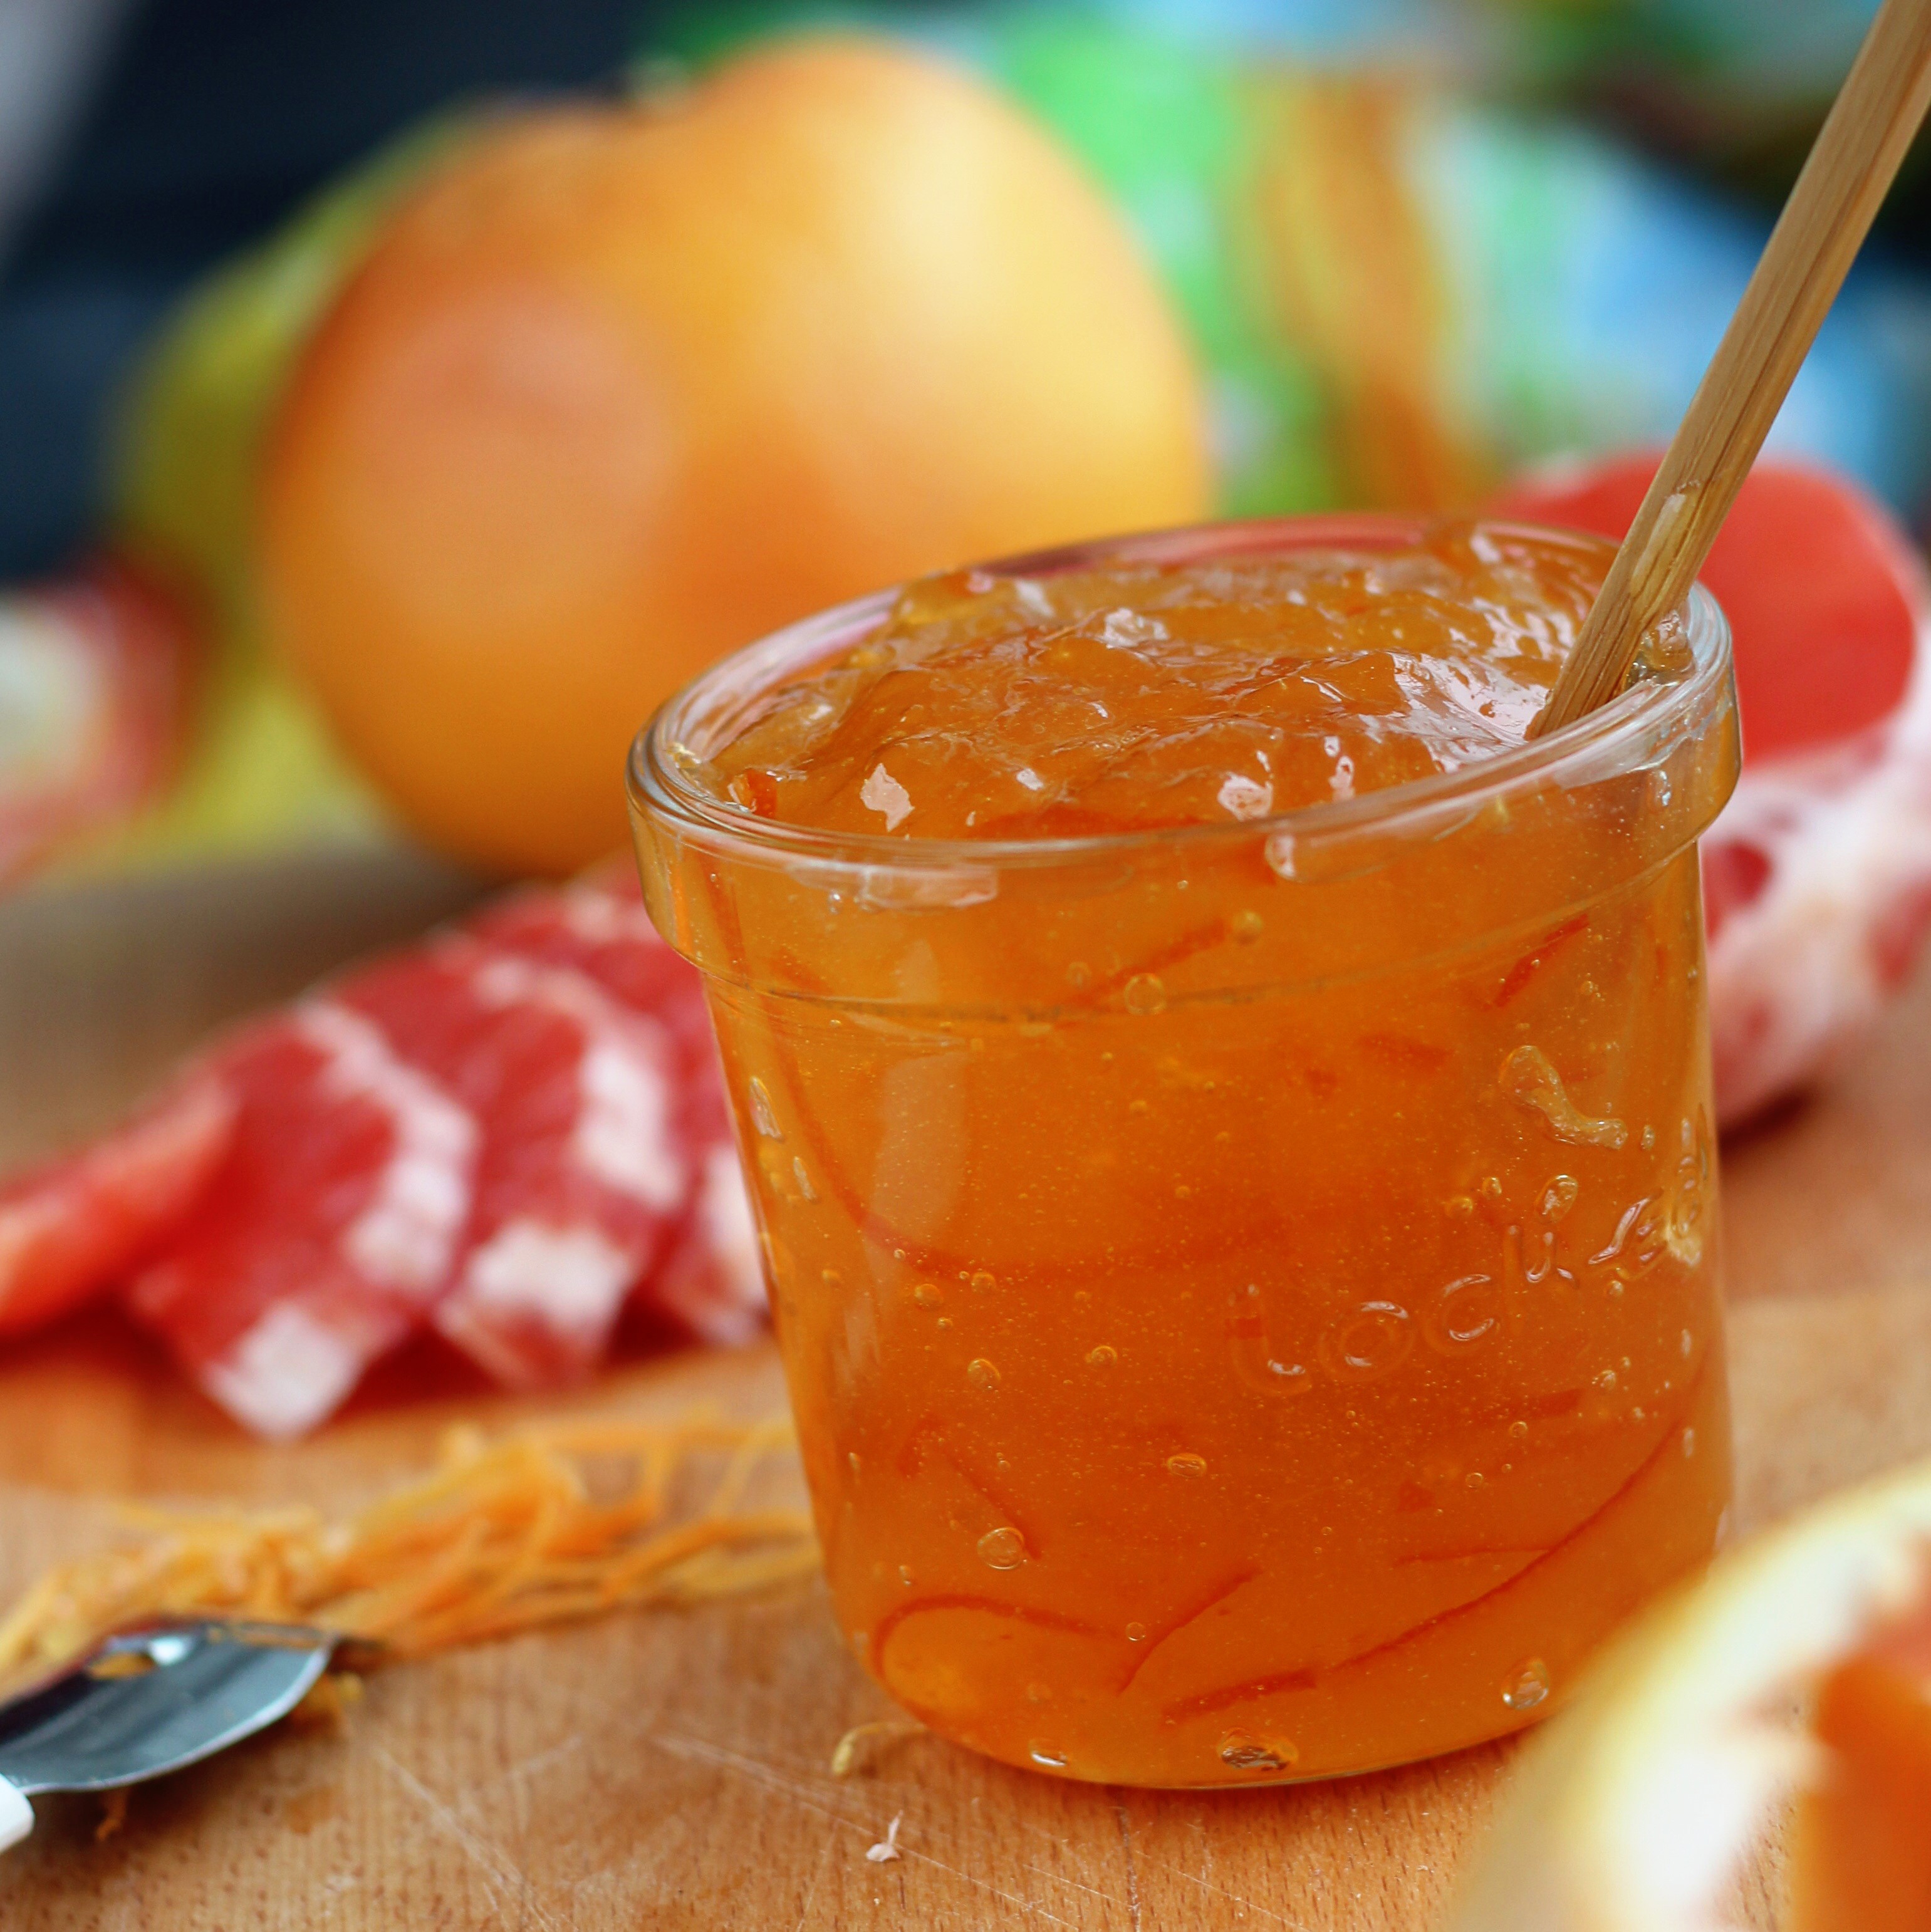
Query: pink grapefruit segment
x=512, y=1131
x=71, y=1227
x=582, y=1175
x=329, y=1229
x=710, y=1282
x=1817, y=877
x=1861, y=1856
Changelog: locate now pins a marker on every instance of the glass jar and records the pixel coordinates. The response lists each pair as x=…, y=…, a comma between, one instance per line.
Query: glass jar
x=1248, y=1292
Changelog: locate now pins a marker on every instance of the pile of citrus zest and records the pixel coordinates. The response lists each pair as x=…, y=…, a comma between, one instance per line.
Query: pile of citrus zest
x=544, y=1525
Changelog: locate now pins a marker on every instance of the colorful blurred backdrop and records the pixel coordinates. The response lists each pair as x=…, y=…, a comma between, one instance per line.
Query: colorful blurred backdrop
x=1410, y=250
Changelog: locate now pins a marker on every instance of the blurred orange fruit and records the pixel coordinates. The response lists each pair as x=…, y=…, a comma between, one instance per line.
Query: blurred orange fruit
x=621, y=388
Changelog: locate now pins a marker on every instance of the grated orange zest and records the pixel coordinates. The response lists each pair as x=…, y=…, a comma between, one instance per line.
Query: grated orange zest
x=545, y=1524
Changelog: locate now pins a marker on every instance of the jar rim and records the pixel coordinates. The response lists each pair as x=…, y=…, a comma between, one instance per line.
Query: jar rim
x=1637, y=726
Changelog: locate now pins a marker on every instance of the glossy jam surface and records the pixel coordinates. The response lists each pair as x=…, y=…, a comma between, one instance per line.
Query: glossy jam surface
x=999, y=706
x=1249, y=1303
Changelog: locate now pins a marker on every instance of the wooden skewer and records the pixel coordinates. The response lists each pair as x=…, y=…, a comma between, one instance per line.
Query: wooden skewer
x=1862, y=143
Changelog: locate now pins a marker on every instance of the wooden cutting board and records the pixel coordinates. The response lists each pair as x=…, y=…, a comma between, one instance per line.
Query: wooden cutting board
x=671, y=1769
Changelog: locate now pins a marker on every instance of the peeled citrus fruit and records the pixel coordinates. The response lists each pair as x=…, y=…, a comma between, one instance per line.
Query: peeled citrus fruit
x=1817, y=877
x=1635, y=1809
x=622, y=387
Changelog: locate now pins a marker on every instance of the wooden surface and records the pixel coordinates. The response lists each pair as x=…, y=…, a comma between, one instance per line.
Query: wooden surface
x=672, y=1769
x=1851, y=167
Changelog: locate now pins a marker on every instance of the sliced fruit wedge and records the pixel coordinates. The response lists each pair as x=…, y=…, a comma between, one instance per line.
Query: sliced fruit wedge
x=582, y=1175
x=331, y=1224
x=515, y=1131
x=710, y=1279
x=1637, y=1809
x=72, y=1225
x=1817, y=877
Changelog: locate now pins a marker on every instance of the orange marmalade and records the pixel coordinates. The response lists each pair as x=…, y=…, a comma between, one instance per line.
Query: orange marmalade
x=1228, y=1120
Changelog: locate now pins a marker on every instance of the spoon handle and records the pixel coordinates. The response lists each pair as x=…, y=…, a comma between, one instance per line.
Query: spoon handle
x=1862, y=143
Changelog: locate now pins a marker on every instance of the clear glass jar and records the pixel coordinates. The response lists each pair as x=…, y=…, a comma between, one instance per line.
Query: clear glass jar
x=1248, y=1292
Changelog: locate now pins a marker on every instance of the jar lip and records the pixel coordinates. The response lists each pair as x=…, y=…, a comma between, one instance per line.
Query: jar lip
x=1634, y=727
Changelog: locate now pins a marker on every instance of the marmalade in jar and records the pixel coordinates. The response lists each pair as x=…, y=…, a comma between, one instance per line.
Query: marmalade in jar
x=1229, y=1125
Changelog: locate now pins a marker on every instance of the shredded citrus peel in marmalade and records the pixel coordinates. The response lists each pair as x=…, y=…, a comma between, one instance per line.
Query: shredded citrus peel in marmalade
x=545, y=1524
x=1249, y=1302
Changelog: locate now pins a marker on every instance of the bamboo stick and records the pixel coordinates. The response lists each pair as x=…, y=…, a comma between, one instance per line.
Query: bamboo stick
x=1856, y=154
